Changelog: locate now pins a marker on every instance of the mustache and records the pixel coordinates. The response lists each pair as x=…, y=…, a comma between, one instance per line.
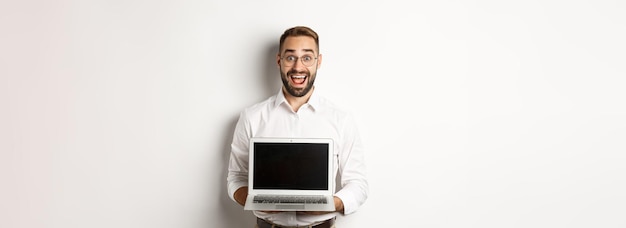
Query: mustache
x=292, y=72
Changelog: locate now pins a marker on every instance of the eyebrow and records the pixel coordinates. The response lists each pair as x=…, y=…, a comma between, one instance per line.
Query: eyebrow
x=305, y=50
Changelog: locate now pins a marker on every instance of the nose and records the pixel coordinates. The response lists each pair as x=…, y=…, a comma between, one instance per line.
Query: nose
x=298, y=64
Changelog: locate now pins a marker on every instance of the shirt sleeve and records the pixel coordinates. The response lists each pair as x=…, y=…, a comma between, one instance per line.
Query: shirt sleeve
x=239, y=156
x=352, y=170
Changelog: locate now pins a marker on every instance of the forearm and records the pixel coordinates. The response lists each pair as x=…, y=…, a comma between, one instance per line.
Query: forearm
x=338, y=205
x=241, y=194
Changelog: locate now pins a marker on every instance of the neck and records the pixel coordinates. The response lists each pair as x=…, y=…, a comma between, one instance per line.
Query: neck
x=297, y=102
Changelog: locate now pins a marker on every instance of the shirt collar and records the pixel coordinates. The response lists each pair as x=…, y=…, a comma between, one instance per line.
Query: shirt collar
x=314, y=100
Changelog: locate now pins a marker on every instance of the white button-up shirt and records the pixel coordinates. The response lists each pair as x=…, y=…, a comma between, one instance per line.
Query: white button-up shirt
x=318, y=118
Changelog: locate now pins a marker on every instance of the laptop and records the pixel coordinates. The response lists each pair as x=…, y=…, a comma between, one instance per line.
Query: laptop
x=291, y=174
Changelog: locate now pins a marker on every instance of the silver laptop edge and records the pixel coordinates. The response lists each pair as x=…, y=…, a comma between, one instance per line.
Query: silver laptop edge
x=329, y=192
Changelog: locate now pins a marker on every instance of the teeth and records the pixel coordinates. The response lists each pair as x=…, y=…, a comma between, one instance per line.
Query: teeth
x=298, y=76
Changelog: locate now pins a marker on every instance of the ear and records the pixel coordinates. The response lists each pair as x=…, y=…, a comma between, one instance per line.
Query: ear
x=278, y=60
x=319, y=61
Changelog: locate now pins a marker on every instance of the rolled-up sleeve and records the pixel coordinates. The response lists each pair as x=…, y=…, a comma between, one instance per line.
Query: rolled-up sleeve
x=352, y=170
x=239, y=156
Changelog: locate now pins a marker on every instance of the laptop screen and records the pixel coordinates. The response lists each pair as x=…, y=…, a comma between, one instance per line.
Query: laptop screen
x=290, y=166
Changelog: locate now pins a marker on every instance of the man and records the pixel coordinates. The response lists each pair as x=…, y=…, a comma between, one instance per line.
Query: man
x=297, y=111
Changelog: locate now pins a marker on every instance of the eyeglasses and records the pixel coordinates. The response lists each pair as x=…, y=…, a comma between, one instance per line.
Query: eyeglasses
x=307, y=60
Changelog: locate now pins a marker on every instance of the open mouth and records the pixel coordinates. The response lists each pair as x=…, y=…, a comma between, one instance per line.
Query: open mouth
x=298, y=79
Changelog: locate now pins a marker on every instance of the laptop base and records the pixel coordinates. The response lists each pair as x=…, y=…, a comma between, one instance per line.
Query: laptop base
x=261, y=206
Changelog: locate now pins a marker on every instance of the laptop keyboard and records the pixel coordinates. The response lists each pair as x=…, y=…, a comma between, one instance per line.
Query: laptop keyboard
x=290, y=199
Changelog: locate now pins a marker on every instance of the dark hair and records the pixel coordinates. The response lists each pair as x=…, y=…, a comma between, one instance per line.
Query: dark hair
x=299, y=31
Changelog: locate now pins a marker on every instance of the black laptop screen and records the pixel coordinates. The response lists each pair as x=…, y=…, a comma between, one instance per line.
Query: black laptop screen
x=291, y=166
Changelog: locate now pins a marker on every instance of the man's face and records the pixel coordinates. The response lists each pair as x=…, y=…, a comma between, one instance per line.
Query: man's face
x=297, y=77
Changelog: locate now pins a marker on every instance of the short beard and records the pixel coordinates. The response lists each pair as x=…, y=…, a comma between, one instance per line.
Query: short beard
x=297, y=92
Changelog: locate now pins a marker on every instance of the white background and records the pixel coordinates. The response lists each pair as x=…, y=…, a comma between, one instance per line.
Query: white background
x=474, y=113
